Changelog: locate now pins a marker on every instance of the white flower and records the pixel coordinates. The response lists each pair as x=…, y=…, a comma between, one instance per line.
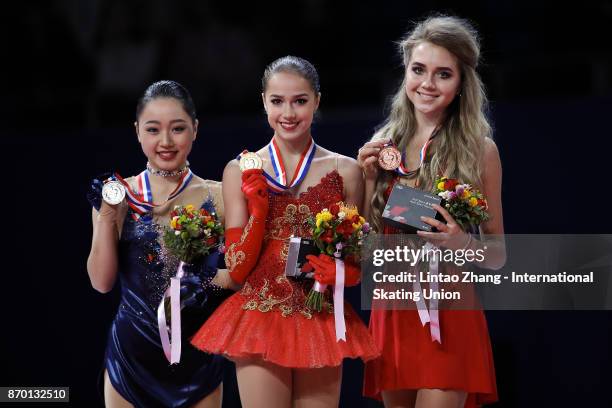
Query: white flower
x=341, y=215
x=177, y=232
x=444, y=194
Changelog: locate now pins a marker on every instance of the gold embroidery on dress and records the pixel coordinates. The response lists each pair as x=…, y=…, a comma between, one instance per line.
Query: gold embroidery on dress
x=267, y=302
x=293, y=222
x=247, y=289
x=284, y=251
x=304, y=229
x=306, y=312
x=233, y=257
x=286, y=310
x=250, y=305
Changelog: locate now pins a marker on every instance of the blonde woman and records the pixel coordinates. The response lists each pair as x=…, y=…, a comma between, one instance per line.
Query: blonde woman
x=440, y=105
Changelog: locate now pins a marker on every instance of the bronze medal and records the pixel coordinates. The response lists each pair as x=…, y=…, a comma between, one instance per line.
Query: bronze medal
x=389, y=158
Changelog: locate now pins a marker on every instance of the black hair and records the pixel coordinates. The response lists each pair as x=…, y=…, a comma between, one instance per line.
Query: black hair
x=295, y=65
x=167, y=89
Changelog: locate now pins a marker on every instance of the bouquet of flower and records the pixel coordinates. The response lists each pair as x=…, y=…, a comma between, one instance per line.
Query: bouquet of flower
x=192, y=233
x=338, y=231
x=466, y=204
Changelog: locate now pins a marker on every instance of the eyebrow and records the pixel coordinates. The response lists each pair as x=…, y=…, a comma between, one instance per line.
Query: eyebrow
x=157, y=122
x=294, y=96
x=438, y=68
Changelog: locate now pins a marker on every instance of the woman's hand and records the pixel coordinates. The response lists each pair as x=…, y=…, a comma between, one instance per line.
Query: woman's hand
x=450, y=234
x=223, y=280
x=325, y=270
x=255, y=189
x=112, y=213
x=367, y=158
x=102, y=263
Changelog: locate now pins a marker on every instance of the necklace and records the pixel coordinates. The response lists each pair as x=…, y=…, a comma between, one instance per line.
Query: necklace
x=168, y=173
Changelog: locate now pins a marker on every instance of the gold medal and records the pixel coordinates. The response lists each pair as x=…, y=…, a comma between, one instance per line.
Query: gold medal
x=389, y=158
x=249, y=161
x=113, y=192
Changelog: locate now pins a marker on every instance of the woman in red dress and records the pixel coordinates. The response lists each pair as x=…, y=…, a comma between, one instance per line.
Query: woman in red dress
x=439, y=111
x=286, y=354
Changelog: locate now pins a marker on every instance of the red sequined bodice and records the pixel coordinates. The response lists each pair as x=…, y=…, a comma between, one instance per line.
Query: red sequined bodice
x=267, y=289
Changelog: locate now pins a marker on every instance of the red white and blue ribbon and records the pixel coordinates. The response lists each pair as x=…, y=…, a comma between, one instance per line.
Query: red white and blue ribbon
x=279, y=183
x=403, y=171
x=144, y=186
x=171, y=338
x=141, y=202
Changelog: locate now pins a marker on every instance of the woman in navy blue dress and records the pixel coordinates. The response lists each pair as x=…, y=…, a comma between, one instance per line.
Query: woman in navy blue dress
x=126, y=245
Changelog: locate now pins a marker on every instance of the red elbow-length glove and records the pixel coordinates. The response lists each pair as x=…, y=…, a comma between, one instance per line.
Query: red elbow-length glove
x=243, y=244
x=325, y=270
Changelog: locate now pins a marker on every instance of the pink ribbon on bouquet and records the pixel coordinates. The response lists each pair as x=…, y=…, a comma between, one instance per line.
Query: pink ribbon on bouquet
x=340, y=324
x=172, y=348
x=429, y=315
x=339, y=301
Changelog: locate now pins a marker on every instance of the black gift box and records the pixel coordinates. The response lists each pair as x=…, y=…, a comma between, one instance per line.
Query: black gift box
x=406, y=206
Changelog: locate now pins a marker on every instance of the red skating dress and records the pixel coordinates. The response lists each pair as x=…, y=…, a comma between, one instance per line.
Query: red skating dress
x=268, y=319
x=411, y=360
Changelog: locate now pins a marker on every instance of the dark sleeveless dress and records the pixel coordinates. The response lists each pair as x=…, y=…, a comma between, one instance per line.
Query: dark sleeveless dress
x=134, y=358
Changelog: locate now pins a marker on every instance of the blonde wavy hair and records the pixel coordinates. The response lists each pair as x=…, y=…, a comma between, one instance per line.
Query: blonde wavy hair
x=457, y=149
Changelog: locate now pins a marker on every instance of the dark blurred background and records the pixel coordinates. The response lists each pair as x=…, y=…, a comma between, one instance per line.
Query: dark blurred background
x=72, y=71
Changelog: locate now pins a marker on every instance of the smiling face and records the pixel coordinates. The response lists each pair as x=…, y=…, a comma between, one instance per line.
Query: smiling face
x=433, y=78
x=290, y=103
x=166, y=133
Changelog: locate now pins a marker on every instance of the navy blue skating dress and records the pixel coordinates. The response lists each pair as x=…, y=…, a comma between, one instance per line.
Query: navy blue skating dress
x=134, y=359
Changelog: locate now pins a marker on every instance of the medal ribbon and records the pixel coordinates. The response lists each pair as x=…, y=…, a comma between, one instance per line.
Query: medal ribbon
x=403, y=171
x=279, y=184
x=142, y=202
